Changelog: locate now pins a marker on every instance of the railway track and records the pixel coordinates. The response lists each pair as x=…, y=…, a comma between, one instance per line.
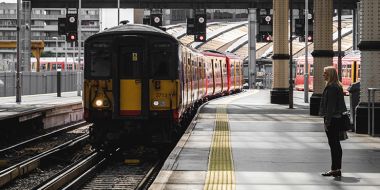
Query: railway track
x=23, y=151
x=44, y=137
x=61, y=155
x=105, y=171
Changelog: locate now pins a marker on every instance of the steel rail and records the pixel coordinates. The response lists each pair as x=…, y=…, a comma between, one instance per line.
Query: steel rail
x=71, y=172
x=42, y=137
x=32, y=163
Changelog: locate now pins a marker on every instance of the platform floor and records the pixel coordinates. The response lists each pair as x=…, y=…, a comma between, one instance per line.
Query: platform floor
x=34, y=103
x=243, y=142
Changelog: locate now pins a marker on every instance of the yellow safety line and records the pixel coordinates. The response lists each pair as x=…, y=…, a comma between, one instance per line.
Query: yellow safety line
x=220, y=174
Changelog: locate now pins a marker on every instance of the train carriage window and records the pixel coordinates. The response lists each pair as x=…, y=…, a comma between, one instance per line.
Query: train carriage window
x=99, y=60
x=162, y=60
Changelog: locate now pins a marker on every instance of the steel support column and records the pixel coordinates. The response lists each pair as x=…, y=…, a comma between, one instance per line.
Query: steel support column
x=280, y=87
x=323, y=49
x=252, y=16
x=370, y=67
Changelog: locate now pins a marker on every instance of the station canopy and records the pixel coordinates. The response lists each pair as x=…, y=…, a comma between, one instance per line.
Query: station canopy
x=179, y=4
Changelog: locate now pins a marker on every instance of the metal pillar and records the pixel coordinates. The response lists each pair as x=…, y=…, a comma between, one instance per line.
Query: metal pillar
x=306, y=73
x=369, y=68
x=291, y=56
x=339, y=41
x=79, y=48
x=355, y=29
x=280, y=66
x=118, y=12
x=323, y=49
x=18, y=82
x=252, y=16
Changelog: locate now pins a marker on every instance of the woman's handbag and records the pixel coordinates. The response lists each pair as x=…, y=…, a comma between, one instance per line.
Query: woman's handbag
x=345, y=122
x=343, y=135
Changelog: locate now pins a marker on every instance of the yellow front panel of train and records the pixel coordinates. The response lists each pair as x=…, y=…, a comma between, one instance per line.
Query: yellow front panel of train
x=130, y=97
x=163, y=93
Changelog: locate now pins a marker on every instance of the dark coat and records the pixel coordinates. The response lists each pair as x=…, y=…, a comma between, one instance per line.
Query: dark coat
x=332, y=103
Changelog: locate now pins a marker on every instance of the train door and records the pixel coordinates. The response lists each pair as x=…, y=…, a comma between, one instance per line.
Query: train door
x=213, y=77
x=132, y=77
x=221, y=75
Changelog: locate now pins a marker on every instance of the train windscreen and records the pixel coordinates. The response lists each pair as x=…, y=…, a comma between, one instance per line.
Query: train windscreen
x=162, y=60
x=99, y=60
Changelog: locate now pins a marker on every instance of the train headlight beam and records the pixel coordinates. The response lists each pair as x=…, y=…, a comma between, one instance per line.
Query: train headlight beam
x=99, y=103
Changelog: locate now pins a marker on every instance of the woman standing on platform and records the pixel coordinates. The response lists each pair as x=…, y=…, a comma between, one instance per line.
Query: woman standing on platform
x=331, y=108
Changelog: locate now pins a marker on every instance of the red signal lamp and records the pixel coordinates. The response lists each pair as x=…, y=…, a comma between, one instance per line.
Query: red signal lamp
x=309, y=38
x=71, y=37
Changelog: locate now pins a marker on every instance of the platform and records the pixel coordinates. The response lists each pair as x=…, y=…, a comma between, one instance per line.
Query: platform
x=52, y=109
x=243, y=142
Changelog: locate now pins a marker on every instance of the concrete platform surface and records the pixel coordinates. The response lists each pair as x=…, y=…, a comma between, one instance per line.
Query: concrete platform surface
x=35, y=103
x=272, y=148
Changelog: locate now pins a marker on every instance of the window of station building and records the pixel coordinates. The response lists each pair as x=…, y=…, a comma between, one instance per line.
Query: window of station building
x=178, y=14
x=36, y=11
x=12, y=11
x=1, y=11
x=222, y=14
x=241, y=13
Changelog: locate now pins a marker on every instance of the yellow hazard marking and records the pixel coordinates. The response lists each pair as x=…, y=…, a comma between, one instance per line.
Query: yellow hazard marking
x=134, y=57
x=131, y=161
x=3, y=163
x=220, y=174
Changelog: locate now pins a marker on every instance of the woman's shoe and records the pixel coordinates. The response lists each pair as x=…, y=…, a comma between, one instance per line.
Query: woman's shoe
x=334, y=173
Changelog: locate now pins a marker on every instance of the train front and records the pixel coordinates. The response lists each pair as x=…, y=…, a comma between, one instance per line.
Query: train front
x=131, y=86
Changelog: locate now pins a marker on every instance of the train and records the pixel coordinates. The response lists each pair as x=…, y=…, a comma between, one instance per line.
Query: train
x=54, y=64
x=350, y=65
x=141, y=80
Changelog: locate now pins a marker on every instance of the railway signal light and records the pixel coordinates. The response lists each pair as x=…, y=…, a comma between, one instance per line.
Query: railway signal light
x=61, y=26
x=299, y=27
x=72, y=22
x=72, y=37
x=264, y=37
x=200, y=38
x=190, y=29
x=265, y=32
x=156, y=20
x=200, y=22
x=310, y=36
x=146, y=20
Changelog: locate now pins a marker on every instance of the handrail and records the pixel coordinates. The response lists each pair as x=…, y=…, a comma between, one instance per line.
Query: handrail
x=371, y=110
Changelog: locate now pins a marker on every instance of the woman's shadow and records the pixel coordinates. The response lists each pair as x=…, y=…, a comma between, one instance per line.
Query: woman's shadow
x=345, y=179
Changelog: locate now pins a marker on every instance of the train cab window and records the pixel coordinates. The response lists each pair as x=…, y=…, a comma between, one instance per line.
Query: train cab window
x=161, y=63
x=99, y=60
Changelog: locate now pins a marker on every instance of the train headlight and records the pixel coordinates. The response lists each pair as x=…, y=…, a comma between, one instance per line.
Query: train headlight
x=99, y=103
x=159, y=103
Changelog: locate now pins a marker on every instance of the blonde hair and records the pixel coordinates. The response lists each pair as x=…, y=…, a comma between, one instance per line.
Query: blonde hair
x=332, y=76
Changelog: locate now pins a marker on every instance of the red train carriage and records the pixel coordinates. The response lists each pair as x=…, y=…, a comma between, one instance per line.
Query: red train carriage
x=348, y=63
